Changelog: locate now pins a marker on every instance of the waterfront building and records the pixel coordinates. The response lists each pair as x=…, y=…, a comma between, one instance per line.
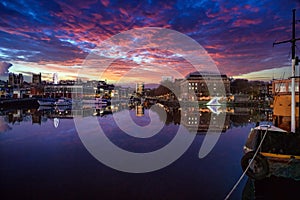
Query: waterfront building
x=167, y=78
x=97, y=88
x=37, y=79
x=3, y=89
x=196, y=85
x=63, y=90
x=71, y=89
x=55, y=78
x=21, y=93
x=15, y=80
x=139, y=89
x=122, y=92
x=36, y=90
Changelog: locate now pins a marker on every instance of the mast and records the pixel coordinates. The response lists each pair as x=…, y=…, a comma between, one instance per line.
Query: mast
x=293, y=97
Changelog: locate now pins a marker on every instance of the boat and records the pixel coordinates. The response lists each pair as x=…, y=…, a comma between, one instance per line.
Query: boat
x=46, y=101
x=96, y=101
x=214, y=102
x=45, y=108
x=274, y=151
x=270, y=150
x=63, y=102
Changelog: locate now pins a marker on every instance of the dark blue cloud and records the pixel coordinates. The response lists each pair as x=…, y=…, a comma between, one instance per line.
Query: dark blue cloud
x=235, y=33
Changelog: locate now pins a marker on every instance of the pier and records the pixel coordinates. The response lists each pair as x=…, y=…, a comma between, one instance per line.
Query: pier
x=11, y=102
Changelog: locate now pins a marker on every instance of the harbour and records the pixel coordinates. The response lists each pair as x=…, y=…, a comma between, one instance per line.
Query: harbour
x=60, y=149
x=149, y=100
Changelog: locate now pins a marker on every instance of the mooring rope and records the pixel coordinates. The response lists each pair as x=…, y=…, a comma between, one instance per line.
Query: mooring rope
x=242, y=176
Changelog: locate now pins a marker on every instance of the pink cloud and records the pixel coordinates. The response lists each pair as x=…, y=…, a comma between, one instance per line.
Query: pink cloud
x=246, y=22
x=105, y=2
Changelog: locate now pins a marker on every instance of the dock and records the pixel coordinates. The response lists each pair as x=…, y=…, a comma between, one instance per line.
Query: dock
x=11, y=102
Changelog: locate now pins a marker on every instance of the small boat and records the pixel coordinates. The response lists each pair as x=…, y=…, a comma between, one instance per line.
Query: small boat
x=63, y=102
x=45, y=108
x=270, y=150
x=95, y=101
x=46, y=102
x=214, y=102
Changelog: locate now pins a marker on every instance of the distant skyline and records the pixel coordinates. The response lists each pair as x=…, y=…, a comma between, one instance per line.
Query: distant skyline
x=56, y=36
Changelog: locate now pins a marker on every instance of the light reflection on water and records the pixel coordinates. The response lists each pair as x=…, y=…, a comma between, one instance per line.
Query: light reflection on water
x=43, y=161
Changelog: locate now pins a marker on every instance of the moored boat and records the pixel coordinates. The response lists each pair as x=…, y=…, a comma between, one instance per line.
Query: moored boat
x=95, y=101
x=63, y=102
x=46, y=102
x=270, y=150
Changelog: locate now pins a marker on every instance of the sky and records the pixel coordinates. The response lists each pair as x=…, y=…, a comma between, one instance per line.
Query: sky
x=59, y=37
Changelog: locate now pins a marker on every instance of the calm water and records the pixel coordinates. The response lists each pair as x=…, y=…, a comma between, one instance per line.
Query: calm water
x=42, y=156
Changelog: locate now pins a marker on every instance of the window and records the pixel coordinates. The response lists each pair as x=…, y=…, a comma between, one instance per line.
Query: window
x=296, y=87
x=280, y=87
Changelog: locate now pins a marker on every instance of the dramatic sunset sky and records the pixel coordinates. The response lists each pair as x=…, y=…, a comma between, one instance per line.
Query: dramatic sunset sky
x=57, y=36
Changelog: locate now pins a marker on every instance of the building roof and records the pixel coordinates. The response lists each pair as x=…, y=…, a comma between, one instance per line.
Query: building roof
x=198, y=74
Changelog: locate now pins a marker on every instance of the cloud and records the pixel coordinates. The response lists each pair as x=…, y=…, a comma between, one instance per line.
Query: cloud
x=238, y=36
x=4, y=66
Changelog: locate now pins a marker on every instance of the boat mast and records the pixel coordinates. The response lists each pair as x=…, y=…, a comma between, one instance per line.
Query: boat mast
x=293, y=98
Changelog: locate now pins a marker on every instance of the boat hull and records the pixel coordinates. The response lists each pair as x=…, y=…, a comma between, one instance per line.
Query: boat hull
x=46, y=102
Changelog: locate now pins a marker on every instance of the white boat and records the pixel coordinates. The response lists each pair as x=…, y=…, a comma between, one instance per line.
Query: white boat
x=46, y=102
x=63, y=102
x=95, y=101
x=216, y=101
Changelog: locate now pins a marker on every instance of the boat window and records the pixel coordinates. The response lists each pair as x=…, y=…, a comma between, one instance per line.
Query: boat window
x=296, y=87
x=280, y=87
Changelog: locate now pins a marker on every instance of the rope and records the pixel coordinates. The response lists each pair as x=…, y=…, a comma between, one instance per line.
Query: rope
x=242, y=176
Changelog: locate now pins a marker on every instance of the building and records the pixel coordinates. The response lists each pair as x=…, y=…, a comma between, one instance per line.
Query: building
x=15, y=80
x=3, y=89
x=122, y=92
x=140, y=88
x=59, y=90
x=71, y=89
x=204, y=86
x=37, y=78
x=167, y=78
x=55, y=78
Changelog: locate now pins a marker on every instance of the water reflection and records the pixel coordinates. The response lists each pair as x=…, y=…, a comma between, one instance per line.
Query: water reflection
x=74, y=166
x=139, y=110
x=193, y=118
x=271, y=188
